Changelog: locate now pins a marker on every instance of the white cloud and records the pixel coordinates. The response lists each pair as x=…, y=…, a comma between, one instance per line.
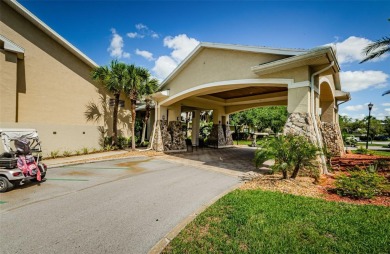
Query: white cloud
x=145, y=54
x=116, y=46
x=141, y=26
x=387, y=110
x=386, y=104
x=354, y=108
x=181, y=46
x=143, y=31
x=353, y=81
x=135, y=35
x=350, y=50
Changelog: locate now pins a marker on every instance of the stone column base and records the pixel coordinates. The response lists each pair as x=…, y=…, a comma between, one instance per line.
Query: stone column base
x=169, y=137
x=220, y=136
x=333, y=140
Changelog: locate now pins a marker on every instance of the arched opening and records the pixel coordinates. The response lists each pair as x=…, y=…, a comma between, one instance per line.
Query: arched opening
x=327, y=103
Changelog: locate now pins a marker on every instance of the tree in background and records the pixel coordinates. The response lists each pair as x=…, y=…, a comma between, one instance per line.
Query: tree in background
x=386, y=125
x=273, y=117
x=113, y=79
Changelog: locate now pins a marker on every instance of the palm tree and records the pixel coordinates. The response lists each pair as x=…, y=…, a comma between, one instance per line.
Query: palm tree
x=148, y=88
x=376, y=49
x=113, y=78
x=137, y=76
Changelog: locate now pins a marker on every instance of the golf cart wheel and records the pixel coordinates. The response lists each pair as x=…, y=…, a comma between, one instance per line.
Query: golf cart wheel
x=5, y=184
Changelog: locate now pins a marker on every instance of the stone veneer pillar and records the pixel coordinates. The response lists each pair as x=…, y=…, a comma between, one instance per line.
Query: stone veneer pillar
x=169, y=137
x=333, y=140
x=220, y=136
x=302, y=124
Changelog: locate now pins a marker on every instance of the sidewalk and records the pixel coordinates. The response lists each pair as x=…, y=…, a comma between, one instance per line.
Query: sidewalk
x=58, y=162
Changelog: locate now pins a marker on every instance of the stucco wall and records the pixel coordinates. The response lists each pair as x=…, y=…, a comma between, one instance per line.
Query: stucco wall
x=8, y=67
x=52, y=86
x=57, y=137
x=212, y=65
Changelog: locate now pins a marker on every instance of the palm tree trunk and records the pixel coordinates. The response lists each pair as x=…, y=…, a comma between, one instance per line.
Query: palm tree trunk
x=146, y=118
x=115, y=120
x=133, y=104
x=143, y=133
x=295, y=172
x=284, y=174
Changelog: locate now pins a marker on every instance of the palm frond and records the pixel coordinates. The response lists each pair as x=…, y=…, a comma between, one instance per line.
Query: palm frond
x=387, y=92
x=376, y=49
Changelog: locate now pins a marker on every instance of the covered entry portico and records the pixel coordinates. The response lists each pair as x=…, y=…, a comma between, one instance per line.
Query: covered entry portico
x=232, y=78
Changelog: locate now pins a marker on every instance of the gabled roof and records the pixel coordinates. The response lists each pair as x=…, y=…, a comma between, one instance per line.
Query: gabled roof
x=50, y=32
x=315, y=56
x=254, y=49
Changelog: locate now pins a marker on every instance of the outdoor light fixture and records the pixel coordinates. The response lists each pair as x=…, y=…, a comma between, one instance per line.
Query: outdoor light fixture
x=370, y=105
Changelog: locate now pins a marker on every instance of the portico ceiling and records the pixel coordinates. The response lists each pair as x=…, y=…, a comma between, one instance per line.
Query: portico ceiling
x=247, y=91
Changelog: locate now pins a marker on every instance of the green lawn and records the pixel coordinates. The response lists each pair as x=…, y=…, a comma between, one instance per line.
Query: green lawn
x=270, y=222
x=369, y=143
x=378, y=153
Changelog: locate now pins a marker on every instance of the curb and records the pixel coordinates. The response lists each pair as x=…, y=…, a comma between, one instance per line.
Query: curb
x=160, y=245
x=85, y=161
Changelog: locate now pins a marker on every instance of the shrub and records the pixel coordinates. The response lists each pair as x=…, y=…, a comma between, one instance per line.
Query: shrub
x=365, y=151
x=77, y=152
x=54, y=154
x=67, y=153
x=291, y=153
x=84, y=150
x=360, y=185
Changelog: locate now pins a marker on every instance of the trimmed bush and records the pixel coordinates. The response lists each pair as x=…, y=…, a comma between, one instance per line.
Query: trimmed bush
x=360, y=185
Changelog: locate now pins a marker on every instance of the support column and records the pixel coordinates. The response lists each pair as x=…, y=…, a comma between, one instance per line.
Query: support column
x=195, y=127
x=331, y=133
x=220, y=135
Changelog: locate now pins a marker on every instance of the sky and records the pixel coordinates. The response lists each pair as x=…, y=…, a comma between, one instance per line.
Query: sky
x=158, y=35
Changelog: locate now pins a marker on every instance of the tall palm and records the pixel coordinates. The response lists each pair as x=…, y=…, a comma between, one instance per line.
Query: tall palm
x=137, y=76
x=150, y=86
x=113, y=78
x=376, y=49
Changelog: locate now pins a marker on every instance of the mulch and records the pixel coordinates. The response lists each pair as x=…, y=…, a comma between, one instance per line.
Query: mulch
x=352, y=160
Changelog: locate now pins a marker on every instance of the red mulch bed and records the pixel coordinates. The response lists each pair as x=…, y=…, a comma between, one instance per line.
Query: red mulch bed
x=327, y=183
x=350, y=160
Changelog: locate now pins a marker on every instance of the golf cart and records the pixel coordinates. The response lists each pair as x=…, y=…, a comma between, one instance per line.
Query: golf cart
x=20, y=158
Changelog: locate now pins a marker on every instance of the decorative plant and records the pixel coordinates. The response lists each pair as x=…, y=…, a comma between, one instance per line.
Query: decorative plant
x=291, y=153
x=54, y=154
x=67, y=153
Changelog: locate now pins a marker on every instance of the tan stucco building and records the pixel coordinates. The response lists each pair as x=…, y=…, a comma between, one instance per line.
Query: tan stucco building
x=45, y=84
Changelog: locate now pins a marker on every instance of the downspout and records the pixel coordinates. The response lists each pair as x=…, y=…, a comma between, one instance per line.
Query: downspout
x=313, y=115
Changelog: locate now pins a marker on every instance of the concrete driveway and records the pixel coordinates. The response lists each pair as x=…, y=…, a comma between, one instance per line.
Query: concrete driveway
x=121, y=206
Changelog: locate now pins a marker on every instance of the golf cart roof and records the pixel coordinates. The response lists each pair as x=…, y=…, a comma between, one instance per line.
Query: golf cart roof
x=10, y=134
